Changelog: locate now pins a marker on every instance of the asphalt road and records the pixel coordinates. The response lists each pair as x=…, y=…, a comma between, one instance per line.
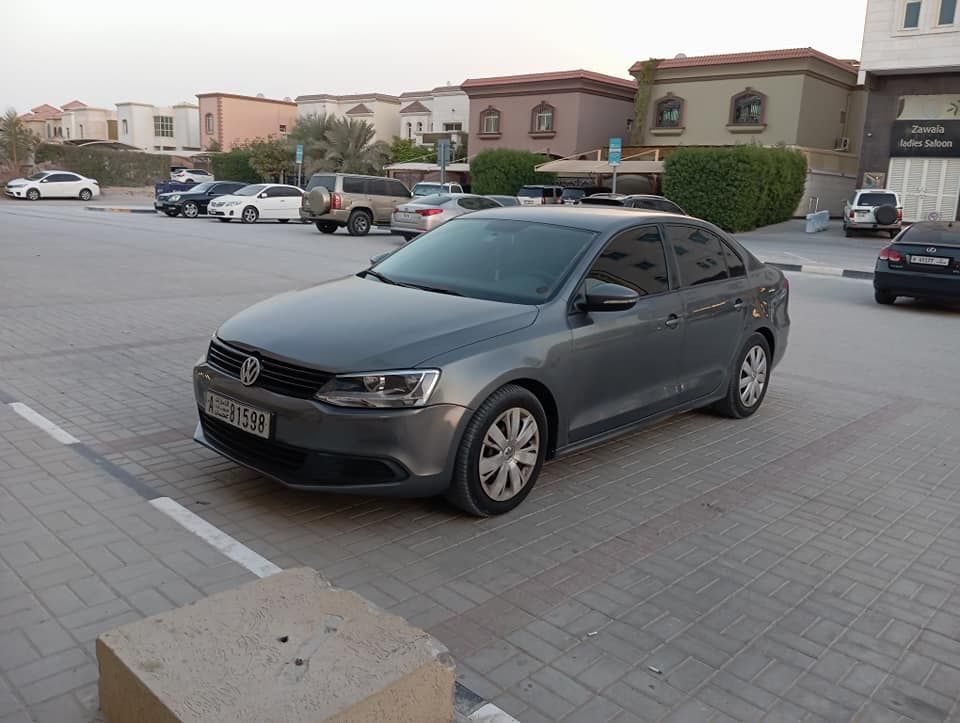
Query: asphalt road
x=788, y=243
x=799, y=563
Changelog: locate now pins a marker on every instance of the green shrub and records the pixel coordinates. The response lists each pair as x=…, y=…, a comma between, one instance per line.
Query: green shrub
x=109, y=167
x=504, y=171
x=235, y=165
x=738, y=188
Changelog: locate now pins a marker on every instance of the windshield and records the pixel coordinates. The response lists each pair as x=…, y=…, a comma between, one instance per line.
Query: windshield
x=530, y=192
x=202, y=187
x=250, y=190
x=877, y=199
x=37, y=176
x=425, y=189
x=327, y=182
x=518, y=262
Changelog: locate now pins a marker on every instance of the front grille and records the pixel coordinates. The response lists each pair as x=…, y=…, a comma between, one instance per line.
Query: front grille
x=252, y=449
x=276, y=376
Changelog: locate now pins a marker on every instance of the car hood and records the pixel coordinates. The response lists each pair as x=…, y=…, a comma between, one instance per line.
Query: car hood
x=358, y=324
x=231, y=197
x=17, y=182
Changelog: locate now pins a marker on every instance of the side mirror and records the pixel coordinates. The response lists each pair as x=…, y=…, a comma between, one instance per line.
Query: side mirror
x=262, y=195
x=609, y=297
x=374, y=260
x=43, y=180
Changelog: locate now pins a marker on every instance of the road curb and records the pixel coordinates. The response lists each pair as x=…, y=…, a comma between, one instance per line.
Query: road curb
x=108, y=209
x=825, y=270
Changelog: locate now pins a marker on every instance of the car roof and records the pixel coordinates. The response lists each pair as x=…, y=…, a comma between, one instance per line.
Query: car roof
x=591, y=218
x=875, y=190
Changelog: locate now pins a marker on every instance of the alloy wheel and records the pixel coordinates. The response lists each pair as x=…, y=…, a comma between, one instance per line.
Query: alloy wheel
x=753, y=376
x=508, y=457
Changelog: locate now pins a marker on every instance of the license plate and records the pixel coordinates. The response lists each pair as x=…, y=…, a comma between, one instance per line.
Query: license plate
x=929, y=261
x=862, y=214
x=241, y=416
x=404, y=216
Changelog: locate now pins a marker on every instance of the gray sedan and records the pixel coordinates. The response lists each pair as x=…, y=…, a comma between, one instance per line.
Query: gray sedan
x=462, y=361
x=425, y=214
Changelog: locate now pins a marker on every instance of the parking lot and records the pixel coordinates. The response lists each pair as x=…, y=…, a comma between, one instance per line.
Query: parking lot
x=798, y=565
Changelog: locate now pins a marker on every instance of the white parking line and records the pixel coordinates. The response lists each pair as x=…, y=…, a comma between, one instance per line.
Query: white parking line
x=491, y=714
x=41, y=422
x=235, y=550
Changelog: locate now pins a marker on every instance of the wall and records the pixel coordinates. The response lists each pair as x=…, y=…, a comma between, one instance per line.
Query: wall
x=246, y=119
x=449, y=107
x=826, y=114
x=886, y=46
x=706, y=110
x=186, y=126
x=515, y=122
x=139, y=118
x=210, y=105
x=600, y=120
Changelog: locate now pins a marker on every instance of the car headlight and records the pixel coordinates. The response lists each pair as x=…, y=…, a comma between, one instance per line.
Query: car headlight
x=174, y=197
x=231, y=203
x=393, y=389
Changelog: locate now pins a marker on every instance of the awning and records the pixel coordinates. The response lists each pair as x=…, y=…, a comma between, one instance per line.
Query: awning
x=428, y=167
x=599, y=167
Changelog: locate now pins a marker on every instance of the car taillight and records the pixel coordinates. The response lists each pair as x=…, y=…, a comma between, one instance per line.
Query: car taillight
x=899, y=214
x=852, y=215
x=891, y=254
x=429, y=211
x=336, y=201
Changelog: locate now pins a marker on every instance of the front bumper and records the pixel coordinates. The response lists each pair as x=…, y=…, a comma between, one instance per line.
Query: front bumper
x=917, y=284
x=18, y=192
x=318, y=447
x=224, y=211
x=166, y=206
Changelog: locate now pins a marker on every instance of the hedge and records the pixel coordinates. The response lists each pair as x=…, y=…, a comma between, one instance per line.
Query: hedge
x=738, y=188
x=504, y=170
x=234, y=166
x=109, y=167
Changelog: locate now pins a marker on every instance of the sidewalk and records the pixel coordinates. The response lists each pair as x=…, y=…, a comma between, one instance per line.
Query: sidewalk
x=80, y=553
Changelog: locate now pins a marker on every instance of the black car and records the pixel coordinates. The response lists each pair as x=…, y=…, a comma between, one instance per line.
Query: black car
x=644, y=202
x=922, y=262
x=194, y=202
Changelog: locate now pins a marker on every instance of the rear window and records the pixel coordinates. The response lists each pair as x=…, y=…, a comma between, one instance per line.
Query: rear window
x=425, y=189
x=933, y=235
x=602, y=201
x=327, y=182
x=532, y=192
x=436, y=199
x=877, y=199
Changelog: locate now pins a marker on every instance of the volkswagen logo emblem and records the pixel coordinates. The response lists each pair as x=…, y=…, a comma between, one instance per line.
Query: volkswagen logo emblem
x=931, y=249
x=249, y=371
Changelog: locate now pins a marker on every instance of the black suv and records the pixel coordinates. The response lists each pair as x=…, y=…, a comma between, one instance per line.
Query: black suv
x=642, y=201
x=194, y=202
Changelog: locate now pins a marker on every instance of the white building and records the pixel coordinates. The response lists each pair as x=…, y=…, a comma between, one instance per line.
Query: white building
x=379, y=110
x=443, y=110
x=165, y=129
x=910, y=65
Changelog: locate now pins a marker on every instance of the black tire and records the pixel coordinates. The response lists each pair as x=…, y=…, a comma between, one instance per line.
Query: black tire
x=466, y=491
x=172, y=212
x=327, y=227
x=848, y=232
x=250, y=214
x=86, y=194
x=224, y=220
x=733, y=405
x=283, y=220
x=190, y=210
x=884, y=297
x=359, y=223
x=33, y=195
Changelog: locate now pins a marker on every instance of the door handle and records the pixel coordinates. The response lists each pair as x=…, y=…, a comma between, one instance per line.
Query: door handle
x=672, y=321
x=738, y=304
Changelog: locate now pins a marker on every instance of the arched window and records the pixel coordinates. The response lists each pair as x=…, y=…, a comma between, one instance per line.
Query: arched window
x=748, y=108
x=543, y=118
x=409, y=130
x=668, y=112
x=208, y=123
x=490, y=122
x=81, y=131
x=419, y=127
x=126, y=127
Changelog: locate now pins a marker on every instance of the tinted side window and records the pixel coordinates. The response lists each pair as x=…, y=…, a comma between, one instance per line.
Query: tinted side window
x=397, y=189
x=634, y=259
x=290, y=191
x=669, y=206
x=699, y=255
x=735, y=264
x=354, y=185
x=275, y=192
x=482, y=203
x=328, y=182
x=469, y=203
x=377, y=187
x=60, y=177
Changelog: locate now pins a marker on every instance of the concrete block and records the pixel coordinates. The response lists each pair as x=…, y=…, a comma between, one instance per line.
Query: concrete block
x=284, y=649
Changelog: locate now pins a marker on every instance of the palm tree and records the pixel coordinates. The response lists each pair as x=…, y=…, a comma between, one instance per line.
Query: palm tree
x=16, y=140
x=311, y=131
x=351, y=148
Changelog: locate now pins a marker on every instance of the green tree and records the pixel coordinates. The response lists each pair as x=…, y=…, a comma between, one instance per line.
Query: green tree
x=311, y=131
x=16, y=140
x=504, y=171
x=234, y=165
x=351, y=147
x=271, y=158
x=403, y=150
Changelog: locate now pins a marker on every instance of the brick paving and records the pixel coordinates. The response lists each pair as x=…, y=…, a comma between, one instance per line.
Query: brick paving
x=800, y=565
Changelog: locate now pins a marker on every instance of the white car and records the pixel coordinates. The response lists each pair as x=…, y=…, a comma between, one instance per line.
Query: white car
x=259, y=201
x=53, y=184
x=192, y=175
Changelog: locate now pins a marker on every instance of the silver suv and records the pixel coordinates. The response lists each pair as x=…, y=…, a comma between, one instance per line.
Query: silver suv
x=338, y=200
x=873, y=210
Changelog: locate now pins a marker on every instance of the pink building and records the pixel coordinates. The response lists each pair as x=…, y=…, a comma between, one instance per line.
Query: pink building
x=231, y=119
x=559, y=114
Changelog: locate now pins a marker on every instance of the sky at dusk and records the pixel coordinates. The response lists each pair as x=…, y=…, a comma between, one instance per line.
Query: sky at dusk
x=107, y=51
